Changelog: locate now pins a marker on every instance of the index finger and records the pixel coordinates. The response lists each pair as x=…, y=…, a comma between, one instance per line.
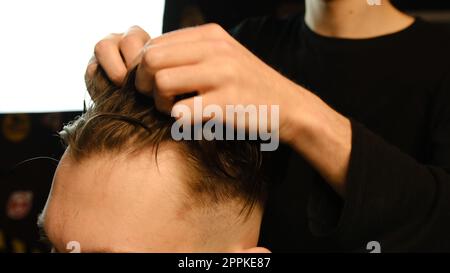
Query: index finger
x=131, y=45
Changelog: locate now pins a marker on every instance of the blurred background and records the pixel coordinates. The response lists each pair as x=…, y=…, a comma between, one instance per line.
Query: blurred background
x=29, y=146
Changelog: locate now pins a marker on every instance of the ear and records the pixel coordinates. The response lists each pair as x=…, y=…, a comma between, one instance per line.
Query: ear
x=256, y=250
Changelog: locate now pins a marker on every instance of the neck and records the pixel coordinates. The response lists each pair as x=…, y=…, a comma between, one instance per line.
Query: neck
x=354, y=19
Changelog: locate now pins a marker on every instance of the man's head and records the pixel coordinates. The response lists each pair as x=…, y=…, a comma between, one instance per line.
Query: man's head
x=123, y=184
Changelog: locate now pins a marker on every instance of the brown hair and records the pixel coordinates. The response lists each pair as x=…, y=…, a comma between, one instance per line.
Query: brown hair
x=123, y=120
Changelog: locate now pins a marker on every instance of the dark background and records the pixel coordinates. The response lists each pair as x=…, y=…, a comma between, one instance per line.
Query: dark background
x=28, y=142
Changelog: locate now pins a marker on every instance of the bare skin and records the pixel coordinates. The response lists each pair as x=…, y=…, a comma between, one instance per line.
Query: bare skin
x=354, y=19
x=125, y=203
x=209, y=60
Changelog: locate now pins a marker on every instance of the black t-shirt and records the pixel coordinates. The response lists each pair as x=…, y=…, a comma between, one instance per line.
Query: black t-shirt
x=396, y=91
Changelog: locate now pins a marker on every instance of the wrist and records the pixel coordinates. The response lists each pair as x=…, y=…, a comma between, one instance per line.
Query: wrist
x=293, y=119
x=321, y=135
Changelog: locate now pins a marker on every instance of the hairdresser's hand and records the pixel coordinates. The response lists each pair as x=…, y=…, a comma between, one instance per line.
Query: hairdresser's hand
x=117, y=53
x=208, y=60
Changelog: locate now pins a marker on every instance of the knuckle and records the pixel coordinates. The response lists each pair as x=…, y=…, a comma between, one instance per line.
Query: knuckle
x=138, y=34
x=223, y=46
x=139, y=31
x=152, y=58
x=102, y=46
x=228, y=71
x=214, y=29
x=162, y=79
x=136, y=27
x=128, y=40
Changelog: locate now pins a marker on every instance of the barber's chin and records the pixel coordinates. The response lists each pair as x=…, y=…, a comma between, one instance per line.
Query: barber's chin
x=255, y=250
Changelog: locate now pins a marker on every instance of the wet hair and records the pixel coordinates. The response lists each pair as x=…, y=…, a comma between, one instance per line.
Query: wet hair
x=123, y=120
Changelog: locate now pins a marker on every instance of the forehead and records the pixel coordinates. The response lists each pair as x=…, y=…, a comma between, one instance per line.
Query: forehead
x=110, y=200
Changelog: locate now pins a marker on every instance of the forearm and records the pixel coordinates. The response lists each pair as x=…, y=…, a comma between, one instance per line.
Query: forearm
x=322, y=136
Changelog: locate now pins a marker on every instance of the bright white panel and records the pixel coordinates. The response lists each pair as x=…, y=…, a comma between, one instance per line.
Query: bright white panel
x=45, y=46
